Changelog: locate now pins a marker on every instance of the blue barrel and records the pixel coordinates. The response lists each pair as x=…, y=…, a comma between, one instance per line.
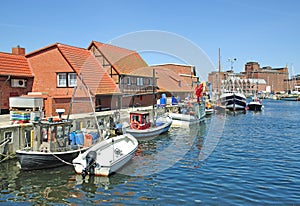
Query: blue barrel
x=72, y=138
x=163, y=101
x=174, y=101
x=95, y=137
x=79, y=138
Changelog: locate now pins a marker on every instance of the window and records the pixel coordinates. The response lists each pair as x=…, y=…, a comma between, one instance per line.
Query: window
x=8, y=136
x=62, y=80
x=66, y=79
x=72, y=79
x=139, y=81
x=128, y=81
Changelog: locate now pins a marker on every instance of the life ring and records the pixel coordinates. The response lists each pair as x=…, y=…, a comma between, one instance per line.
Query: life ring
x=135, y=125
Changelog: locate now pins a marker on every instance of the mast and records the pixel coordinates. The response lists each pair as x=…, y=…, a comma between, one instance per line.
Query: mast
x=219, y=73
x=153, y=94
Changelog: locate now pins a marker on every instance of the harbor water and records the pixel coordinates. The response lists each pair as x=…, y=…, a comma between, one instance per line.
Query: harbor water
x=250, y=158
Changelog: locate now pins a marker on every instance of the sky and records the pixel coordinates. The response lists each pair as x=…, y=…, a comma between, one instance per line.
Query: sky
x=184, y=32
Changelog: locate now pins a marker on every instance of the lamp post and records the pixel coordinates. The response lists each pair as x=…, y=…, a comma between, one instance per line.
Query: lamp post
x=231, y=67
x=231, y=62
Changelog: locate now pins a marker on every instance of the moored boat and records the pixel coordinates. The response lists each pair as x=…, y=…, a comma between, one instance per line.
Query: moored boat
x=143, y=129
x=52, y=144
x=233, y=101
x=209, y=110
x=107, y=156
x=192, y=113
x=291, y=97
x=255, y=104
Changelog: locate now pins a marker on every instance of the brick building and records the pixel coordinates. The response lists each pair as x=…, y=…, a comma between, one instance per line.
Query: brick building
x=275, y=77
x=120, y=64
x=16, y=78
x=264, y=79
x=59, y=68
x=116, y=77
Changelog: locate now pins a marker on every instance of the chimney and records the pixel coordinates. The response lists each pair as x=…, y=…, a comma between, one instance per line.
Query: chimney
x=18, y=50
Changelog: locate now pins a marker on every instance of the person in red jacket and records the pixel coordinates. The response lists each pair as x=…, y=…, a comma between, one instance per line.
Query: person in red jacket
x=199, y=89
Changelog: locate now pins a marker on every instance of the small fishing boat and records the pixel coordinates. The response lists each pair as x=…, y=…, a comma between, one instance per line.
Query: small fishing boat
x=255, y=104
x=52, y=144
x=107, y=156
x=143, y=129
x=209, y=108
x=190, y=113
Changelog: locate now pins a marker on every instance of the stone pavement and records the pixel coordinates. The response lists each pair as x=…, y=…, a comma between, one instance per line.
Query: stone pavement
x=4, y=119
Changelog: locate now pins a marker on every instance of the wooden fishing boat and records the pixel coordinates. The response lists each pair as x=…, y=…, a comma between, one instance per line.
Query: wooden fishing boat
x=107, y=156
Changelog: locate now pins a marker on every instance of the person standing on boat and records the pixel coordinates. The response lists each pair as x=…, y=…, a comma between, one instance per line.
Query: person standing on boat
x=199, y=89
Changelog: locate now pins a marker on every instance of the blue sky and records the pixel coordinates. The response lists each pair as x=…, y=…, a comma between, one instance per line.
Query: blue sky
x=265, y=31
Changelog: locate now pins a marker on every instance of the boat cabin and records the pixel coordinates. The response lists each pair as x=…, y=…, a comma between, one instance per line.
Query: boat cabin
x=140, y=120
x=51, y=135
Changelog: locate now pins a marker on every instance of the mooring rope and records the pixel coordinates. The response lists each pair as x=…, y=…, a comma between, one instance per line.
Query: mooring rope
x=68, y=163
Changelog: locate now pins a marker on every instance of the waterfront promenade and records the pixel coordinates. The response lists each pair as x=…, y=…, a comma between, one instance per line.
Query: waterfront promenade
x=4, y=119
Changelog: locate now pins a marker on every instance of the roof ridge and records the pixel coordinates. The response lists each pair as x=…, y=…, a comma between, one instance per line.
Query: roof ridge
x=56, y=44
x=12, y=54
x=114, y=46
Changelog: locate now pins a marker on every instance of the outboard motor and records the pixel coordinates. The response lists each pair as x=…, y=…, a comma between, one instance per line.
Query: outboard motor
x=90, y=164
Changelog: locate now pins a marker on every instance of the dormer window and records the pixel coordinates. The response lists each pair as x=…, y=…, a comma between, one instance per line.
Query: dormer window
x=66, y=79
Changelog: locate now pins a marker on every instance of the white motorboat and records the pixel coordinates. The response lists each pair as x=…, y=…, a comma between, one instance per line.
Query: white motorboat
x=107, y=156
x=188, y=115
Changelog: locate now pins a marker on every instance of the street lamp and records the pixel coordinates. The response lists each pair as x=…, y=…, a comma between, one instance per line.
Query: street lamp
x=231, y=62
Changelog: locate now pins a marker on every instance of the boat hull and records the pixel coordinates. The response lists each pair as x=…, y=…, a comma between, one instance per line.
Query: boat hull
x=186, y=120
x=291, y=98
x=112, y=155
x=233, y=101
x=30, y=160
x=254, y=106
x=150, y=133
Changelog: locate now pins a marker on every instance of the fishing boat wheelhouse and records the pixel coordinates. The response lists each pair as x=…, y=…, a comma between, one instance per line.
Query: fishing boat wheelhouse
x=140, y=120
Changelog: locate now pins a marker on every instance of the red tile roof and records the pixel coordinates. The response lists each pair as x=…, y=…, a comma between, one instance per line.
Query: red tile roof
x=93, y=74
x=185, y=72
x=178, y=68
x=85, y=65
x=14, y=65
x=123, y=60
x=167, y=80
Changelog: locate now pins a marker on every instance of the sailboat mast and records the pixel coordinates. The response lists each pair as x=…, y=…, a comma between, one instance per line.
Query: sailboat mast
x=219, y=73
x=153, y=94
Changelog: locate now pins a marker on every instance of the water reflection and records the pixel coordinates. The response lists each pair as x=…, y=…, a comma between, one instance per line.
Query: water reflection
x=41, y=186
x=62, y=186
x=165, y=151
